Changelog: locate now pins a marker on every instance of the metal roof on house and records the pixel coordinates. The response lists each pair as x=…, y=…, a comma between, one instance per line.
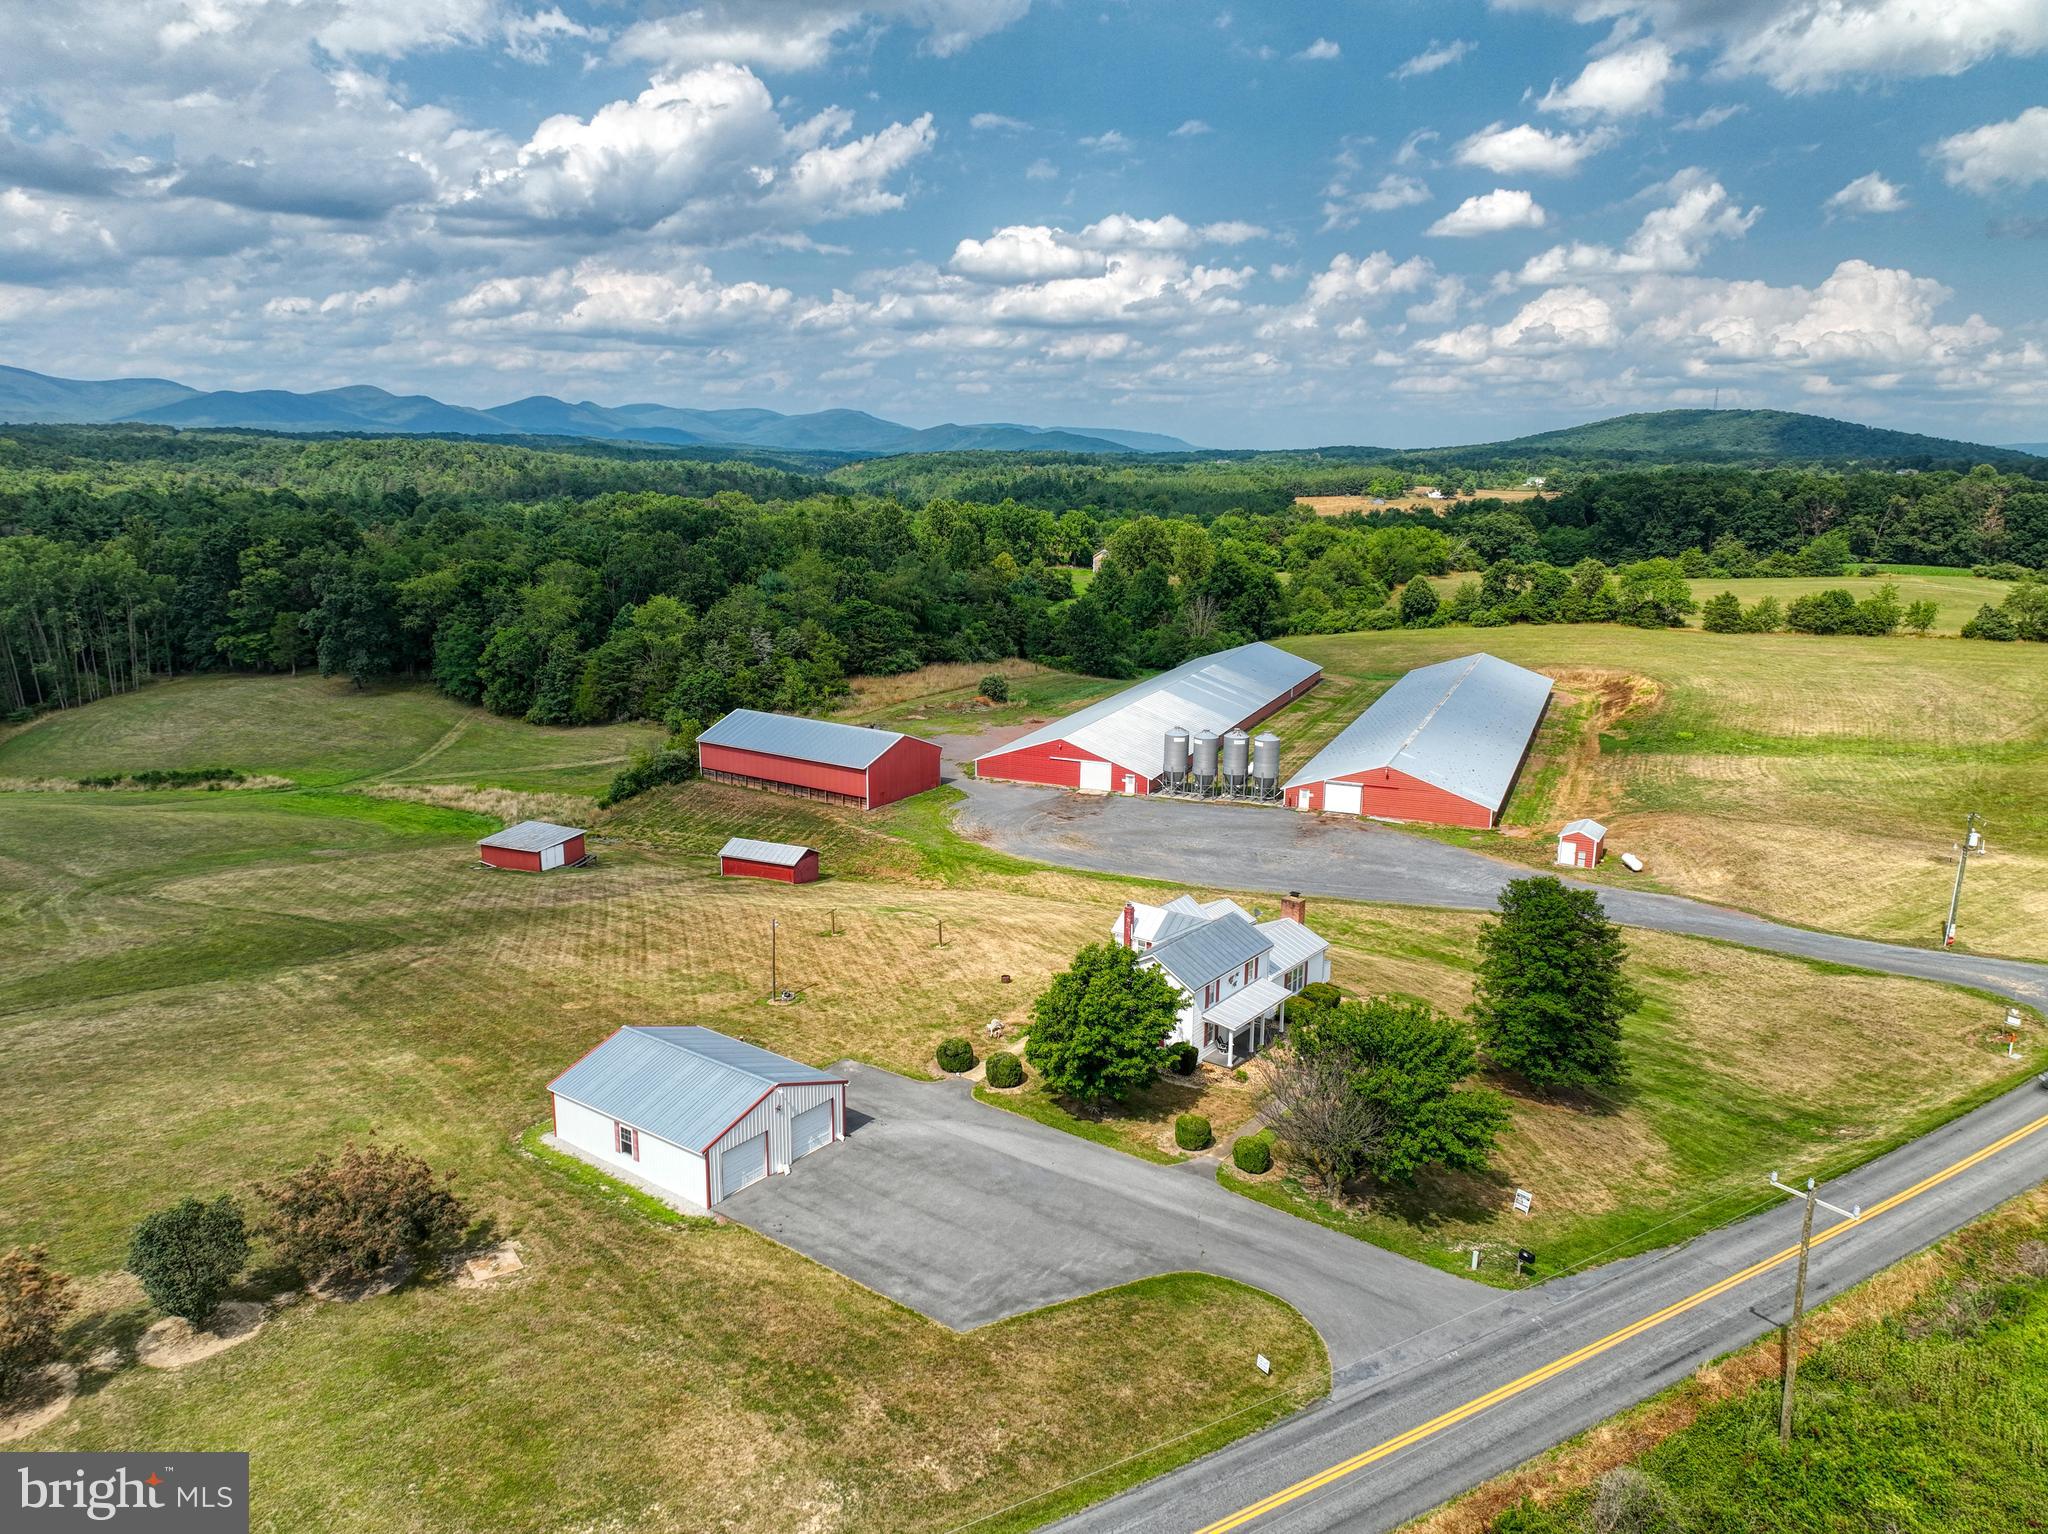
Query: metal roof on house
x=683, y=1085
x=1292, y=942
x=1214, y=692
x=781, y=854
x=1209, y=951
x=531, y=836
x=1461, y=725
x=812, y=740
x=1591, y=828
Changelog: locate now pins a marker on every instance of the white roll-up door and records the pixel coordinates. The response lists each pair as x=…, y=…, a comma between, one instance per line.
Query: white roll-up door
x=1343, y=798
x=809, y=1130
x=1095, y=777
x=551, y=857
x=741, y=1164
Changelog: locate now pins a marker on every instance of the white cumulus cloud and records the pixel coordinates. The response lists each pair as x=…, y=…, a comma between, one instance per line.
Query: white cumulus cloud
x=1436, y=56
x=1672, y=238
x=1320, y=50
x=1490, y=213
x=1997, y=155
x=1869, y=193
x=1528, y=150
x=1624, y=83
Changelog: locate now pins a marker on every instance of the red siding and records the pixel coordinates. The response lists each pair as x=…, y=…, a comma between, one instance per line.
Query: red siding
x=507, y=857
x=1391, y=795
x=1057, y=763
x=804, y=872
x=1585, y=848
x=849, y=782
x=572, y=850
x=909, y=767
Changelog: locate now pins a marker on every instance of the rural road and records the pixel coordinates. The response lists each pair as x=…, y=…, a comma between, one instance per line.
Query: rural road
x=1243, y=847
x=1386, y=1437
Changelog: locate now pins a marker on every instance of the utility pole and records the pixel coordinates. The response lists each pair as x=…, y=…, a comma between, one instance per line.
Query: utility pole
x=774, y=973
x=1799, y=1294
x=1970, y=843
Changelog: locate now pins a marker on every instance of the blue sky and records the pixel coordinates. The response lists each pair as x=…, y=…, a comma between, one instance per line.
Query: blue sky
x=1394, y=223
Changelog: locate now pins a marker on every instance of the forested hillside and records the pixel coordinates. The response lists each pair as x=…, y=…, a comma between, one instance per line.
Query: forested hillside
x=604, y=583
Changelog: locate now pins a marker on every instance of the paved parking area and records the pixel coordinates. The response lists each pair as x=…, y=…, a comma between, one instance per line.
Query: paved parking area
x=970, y=1214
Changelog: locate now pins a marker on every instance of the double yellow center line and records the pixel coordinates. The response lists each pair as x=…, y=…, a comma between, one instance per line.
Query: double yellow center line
x=1573, y=1359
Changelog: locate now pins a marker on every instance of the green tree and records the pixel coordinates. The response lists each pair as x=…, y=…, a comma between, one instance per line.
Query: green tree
x=554, y=690
x=1722, y=614
x=1920, y=617
x=1764, y=616
x=361, y=1211
x=1098, y=1031
x=1551, y=994
x=1418, y=603
x=188, y=1255
x=1403, y=1066
x=1990, y=623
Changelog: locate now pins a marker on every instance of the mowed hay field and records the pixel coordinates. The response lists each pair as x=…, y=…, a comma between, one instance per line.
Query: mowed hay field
x=1821, y=781
x=1956, y=597
x=213, y=988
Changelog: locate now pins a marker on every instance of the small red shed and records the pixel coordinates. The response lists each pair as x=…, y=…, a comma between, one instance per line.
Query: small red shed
x=1580, y=844
x=534, y=846
x=745, y=858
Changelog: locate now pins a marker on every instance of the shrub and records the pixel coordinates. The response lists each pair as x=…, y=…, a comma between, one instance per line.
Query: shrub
x=675, y=761
x=1005, y=1070
x=1185, y=1058
x=955, y=1056
x=1722, y=614
x=1253, y=1153
x=1191, y=1132
x=34, y=1300
x=361, y=1211
x=188, y=1255
x=995, y=687
x=1991, y=623
x=1320, y=993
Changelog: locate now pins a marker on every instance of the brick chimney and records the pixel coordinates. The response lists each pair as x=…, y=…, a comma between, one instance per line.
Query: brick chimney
x=1293, y=907
x=1130, y=922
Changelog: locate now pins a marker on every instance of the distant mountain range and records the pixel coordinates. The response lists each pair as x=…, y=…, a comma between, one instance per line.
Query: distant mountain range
x=2038, y=449
x=37, y=398
x=1728, y=436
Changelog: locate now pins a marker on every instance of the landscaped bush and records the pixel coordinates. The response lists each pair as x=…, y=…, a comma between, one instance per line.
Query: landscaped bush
x=1253, y=1153
x=34, y=1300
x=956, y=1055
x=361, y=1211
x=995, y=687
x=187, y=1255
x=1191, y=1132
x=1185, y=1058
x=1320, y=993
x=1005, y=1070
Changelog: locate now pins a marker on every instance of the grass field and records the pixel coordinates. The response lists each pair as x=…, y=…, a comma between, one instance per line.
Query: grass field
x=1956, y=594
x=1919, y=1411
x=213, y=988
x=1338, y=505
x=1821, y=781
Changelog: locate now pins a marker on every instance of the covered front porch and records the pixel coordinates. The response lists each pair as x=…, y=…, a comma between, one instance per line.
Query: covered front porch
x=1241, y=1025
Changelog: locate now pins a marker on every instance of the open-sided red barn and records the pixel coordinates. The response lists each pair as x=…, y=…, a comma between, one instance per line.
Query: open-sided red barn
x=817, y=758
x=745, y=858
x=533, y=846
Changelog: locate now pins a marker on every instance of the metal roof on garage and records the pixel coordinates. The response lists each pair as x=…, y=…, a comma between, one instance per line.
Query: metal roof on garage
x=1214, y=692
x=781, y=854
x=1591, y=828
x=683, y=1085
x=531, y=836
x=1461, y=725
x=810, y=740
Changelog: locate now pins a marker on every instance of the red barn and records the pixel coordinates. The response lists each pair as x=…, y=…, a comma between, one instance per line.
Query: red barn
x=1443, y=745
x=1118, y=746
x=533, y=846
x=1580, y=844
x=745, y=858
x=845, y=763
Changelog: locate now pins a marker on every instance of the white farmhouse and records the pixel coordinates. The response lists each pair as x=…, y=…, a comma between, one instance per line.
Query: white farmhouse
x=1234, y=974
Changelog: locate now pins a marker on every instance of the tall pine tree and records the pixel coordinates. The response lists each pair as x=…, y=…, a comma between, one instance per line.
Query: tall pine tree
x=1551, y=994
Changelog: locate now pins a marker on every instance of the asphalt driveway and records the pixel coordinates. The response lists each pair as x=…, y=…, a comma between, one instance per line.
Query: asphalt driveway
x=969, y=1214
x=1244, y=847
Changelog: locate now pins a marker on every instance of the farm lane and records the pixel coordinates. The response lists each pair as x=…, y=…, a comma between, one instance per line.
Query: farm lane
x=1246, y=847
x=969, y=1214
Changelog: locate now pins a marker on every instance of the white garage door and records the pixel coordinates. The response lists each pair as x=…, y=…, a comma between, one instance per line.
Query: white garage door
x=809, y=1130
x=1095, y=777
x=1343, y=798
x=741, y=1164
x=551, y=857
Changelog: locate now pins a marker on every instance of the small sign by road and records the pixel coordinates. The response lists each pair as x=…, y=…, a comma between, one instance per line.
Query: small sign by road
x=1524, y=1200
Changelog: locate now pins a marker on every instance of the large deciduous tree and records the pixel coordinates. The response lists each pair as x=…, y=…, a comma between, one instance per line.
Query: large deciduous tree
x=1551, y=994
x=1099, y=1030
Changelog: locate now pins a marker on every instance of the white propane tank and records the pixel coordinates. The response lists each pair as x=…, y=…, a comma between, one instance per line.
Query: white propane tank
x=1631, y=862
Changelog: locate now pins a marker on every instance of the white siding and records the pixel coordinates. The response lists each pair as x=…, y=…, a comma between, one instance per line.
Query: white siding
x=764, y=1116
x=679, y=1171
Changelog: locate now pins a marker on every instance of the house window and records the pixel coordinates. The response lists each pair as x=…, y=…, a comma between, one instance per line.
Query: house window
x=1209, y=993
x=629, y=1141
x=1251, y=968
x=1297, y=977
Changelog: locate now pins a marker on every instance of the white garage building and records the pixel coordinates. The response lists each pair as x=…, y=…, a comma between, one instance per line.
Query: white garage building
x=694, y=1113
